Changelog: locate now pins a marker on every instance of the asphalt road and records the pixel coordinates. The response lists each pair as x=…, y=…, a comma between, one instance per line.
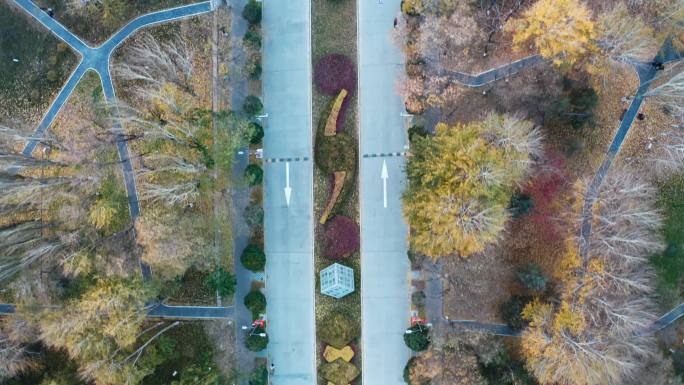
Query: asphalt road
x=384, y=262
x=289, y=229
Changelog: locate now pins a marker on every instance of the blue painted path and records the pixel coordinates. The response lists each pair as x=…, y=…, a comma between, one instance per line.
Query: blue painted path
x=98, y=60
x=494, y=74
x=167, y=312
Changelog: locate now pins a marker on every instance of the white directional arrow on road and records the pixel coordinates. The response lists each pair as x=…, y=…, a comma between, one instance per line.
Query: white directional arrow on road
x=288, y=189
x=384, y=175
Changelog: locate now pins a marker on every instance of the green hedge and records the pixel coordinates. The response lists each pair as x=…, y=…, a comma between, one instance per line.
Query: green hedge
x=418, y=339
x=255, y=342
x=253, y=258
x=252, y=12
x=254, y=174
x=252, y=105
x=255, y=301
x=255, y=133
x=252, y=39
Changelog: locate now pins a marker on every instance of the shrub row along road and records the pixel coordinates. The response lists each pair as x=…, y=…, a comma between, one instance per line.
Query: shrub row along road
x=384, y=262
x=289, y=225
x=98, y=60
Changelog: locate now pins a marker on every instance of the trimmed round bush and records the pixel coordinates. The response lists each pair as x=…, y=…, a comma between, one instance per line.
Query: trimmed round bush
x=341, y=237
x=255, y=342
x=418, y=339
x=252, y=12
x=254, y=174
x=338, y=329
x=511, y=311
x=255, y=133
x=253, y=258
x=252, y=105
x=334, y=72
x=336, y=153
x=252, y=39
x=255, y=301
x=253, y=215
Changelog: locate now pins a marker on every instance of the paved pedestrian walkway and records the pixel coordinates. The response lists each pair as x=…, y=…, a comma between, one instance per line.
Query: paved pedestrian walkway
x=244, y=358
x=494, y=74
x=288, y=228
x=98, y=59
x=158, y=310
x=384, y=262
x=646, y=73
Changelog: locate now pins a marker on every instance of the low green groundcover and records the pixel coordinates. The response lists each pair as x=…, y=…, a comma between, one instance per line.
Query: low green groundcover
x=338, y=329
x=339, y=372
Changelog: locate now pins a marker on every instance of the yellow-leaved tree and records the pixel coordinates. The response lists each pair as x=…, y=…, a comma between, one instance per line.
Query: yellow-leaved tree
x=461, y=180
x=561, y=30
x=598, y=330
x=102, y=331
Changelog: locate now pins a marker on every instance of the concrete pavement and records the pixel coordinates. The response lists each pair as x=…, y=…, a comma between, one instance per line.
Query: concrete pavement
x=289, y=229
x=384, y=262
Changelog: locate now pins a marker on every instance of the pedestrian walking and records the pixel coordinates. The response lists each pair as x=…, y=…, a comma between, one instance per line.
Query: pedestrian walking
x=272, y=368
x=396, y=22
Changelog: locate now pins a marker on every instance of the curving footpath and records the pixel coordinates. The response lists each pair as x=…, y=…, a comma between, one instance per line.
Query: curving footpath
x=98, y=59
x=646, y=73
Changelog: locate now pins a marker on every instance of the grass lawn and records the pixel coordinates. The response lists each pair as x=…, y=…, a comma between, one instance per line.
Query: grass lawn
x=669, y=265
x=334, y=31
x=27, y=87
x=95, y=23
x=190, y=345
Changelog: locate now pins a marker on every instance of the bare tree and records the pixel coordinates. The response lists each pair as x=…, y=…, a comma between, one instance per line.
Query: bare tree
x=670, y=92
x=154, y=63
x=594, y=334
x=14, y=351
x=625, y=218
x=495, y=14
x=624, y=38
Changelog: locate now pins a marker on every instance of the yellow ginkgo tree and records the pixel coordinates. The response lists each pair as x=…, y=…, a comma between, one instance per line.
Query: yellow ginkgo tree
x=561, y=30
x=461, y=180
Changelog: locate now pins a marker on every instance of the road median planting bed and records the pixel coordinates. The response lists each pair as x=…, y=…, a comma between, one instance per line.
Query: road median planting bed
x=338, y=320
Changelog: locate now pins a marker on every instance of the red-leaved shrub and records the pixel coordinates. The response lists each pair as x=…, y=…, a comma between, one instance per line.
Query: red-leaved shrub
x=334, y=72
x=341, y=237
